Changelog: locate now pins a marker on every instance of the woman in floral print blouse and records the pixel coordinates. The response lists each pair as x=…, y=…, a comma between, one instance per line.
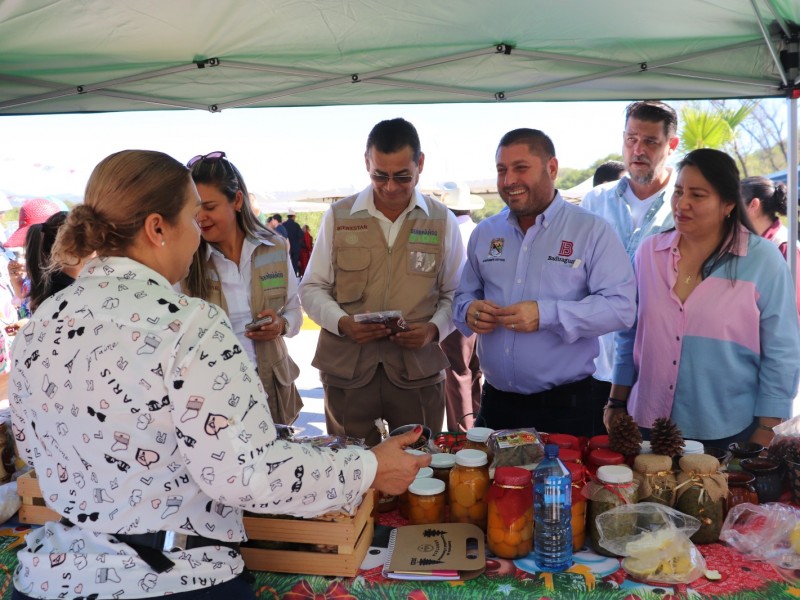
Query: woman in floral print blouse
x=145, y=421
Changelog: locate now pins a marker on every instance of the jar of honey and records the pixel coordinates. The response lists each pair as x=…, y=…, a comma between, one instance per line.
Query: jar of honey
x=441, y=464
x=510, y=516
x=402, y=504
x=426, y=501
x=469, y=484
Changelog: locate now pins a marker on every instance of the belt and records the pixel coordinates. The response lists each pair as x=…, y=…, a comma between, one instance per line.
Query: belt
x=151, y=546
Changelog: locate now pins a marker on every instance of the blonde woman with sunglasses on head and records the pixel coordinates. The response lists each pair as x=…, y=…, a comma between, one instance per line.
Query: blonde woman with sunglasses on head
x=245, y=268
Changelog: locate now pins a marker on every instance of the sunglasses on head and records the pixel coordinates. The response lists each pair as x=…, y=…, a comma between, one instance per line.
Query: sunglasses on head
x=210, y=157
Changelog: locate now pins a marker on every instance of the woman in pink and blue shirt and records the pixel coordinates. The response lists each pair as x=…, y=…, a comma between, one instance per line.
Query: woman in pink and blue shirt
x=716, y=343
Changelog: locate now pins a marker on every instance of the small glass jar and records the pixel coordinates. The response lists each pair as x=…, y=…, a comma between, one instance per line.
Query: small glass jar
x=568, y=455
x=595, y=442
x=578, y=473
x=510, y=517
x=402, y=504
x=741, y=489
x=469, y=484
x=602, y=457
x=768, y=477
x=614, y=487
x=477, y=439
x=441, y=464
x=426, y=501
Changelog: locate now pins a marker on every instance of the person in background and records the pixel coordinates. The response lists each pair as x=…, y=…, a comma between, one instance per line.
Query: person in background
x=32, y=212
x=294, y=233
x=385, y=248
x=276, y=224
x=44, y=281
x=542, y=281
x=611, y=170
x=243, y=267
x=146, y=423
x=9, y=316
x=463, y=376
x=765, y=200
x=638, y=204
x=716, y=344
x=305, y=251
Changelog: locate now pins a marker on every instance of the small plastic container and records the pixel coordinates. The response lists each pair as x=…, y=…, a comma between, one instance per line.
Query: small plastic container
x=692, y=447
x=402, y=504
x=426, y=501
x=469, y=484
x=441, y=463
x=510, y=520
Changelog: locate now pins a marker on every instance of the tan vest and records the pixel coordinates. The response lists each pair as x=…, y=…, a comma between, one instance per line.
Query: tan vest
x=268, y=287
x=369, y=277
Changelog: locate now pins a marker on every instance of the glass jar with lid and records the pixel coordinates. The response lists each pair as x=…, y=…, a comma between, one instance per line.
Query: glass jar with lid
x=423, y=473
x=613, y=487
x=477, y=439
x=441, y=464
x=510, y=516
x=469, y=484
x=426, y=501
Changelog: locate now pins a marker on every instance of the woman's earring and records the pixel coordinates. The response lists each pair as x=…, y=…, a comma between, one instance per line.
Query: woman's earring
x=163, y=243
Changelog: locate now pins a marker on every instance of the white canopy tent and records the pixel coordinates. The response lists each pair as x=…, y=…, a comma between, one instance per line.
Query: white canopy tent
x=94, y=55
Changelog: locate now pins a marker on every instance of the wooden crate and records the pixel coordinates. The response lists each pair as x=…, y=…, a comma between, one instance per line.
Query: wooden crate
x=351, y=538
x=33, y=510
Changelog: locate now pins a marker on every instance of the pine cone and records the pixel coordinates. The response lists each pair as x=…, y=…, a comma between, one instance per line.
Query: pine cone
x=624, y=436
x=666, y=438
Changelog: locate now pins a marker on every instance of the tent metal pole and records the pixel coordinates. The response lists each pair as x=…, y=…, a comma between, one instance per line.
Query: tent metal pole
x=778, y=19
x=765, y=34
x=791, y=181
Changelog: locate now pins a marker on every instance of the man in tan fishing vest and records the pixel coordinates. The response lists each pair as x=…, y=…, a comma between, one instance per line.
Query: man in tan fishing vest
x=388, y=248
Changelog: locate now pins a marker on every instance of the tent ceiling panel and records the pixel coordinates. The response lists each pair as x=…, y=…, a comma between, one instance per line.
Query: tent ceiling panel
x=141, y=54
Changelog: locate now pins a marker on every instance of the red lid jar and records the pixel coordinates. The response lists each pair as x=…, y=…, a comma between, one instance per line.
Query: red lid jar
x=564, y=440
x=601, y=457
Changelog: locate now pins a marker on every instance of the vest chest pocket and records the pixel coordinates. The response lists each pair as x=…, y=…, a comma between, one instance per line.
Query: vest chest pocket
x=351, y=274
x=423, y=260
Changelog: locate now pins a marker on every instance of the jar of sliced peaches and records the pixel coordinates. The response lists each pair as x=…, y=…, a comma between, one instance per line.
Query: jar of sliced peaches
x=510, y=518
x=469, y=484
x=426, y=501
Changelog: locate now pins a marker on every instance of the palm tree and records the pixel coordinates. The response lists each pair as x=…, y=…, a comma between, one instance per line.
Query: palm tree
x=712, y=127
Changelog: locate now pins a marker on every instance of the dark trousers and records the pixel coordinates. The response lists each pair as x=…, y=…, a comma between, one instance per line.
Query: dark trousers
x=742, y=437
x=570, y=408
x=235, y=589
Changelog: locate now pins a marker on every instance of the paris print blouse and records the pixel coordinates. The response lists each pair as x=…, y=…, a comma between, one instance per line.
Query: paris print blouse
x=140, y=413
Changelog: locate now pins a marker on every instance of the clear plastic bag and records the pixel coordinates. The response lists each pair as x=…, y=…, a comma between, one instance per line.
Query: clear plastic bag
x=765, y=532
x=393, y=319
x=659, y=549
x=786, y=442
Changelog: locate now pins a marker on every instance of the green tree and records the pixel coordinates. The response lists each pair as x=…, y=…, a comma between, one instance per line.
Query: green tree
x=712, y=126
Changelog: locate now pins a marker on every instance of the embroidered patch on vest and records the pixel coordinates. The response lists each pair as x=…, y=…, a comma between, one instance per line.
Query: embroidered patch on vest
x=424, y=236
x=272, y=280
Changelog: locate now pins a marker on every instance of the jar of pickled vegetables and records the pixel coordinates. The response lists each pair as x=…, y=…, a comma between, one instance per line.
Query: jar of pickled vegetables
x=423, y=473
x=578, y=473
x=441, y=464
x=469, y=484
x=510, y=516
x=426, y=501
x=478, y=439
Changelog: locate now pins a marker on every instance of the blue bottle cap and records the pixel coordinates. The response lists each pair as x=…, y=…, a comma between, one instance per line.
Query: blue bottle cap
x=551, y=451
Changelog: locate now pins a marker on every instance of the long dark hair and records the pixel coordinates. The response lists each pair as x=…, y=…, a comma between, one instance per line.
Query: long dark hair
x=720, y=171
x=44, y=282
x=772, y=195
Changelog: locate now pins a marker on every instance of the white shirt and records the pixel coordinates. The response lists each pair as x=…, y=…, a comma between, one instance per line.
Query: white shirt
x=140, y=412
x=638, y=206
x=316, y=287
x=236, y=280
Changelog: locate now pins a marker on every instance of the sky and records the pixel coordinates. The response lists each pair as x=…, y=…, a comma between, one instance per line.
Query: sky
x=293, y=149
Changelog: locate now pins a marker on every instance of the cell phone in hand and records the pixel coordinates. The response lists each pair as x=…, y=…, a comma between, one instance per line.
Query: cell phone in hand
x=254, y=325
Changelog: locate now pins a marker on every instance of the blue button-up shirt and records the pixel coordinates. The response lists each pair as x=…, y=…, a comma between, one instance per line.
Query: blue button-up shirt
x=572, y=263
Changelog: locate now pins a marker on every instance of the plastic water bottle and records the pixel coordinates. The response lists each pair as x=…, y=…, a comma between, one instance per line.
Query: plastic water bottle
x=552, y=506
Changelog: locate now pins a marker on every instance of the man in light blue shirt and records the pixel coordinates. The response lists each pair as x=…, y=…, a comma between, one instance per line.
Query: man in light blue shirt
x=638, y=205
x=542, y=281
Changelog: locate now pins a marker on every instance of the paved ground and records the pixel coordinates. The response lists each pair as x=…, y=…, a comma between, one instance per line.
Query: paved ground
x=301, y=349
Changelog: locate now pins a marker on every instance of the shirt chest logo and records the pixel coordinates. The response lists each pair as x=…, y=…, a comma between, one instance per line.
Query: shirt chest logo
x=424, y=236
x=566, y=248
x=496, y=247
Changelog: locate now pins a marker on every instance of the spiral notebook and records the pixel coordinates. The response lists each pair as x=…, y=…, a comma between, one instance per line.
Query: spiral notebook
x=438, y=552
